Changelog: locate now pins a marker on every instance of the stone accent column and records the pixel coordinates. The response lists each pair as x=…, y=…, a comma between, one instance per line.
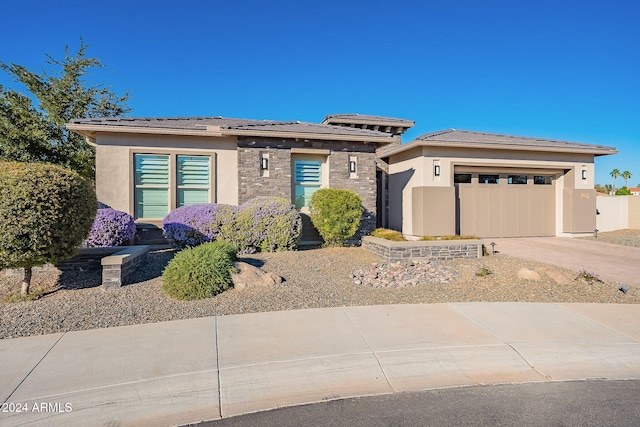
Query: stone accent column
x=363, y=184
x=253, y=183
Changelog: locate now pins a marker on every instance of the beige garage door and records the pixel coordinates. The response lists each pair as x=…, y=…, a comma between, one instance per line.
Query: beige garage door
x=497, y=204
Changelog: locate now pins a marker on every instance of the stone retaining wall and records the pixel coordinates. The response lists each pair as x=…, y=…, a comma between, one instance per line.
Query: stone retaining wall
x=435, y=249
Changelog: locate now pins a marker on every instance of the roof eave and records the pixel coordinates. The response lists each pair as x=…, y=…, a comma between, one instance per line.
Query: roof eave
x=586, y=150
x=90, y=131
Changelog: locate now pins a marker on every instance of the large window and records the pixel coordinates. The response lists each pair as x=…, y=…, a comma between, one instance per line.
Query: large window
x=193, y=180
x=164, y=182
x=307, y=180
x=151, y=186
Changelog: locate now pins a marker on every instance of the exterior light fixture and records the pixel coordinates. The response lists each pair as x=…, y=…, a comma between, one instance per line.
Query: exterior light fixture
x=584, y=174
x=352, y=166
x=264, y=163
x=595, y=233
x=436, y=170
x=493, y=248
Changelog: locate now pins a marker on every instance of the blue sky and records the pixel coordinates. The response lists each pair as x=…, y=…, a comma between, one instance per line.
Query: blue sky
x=553, y=69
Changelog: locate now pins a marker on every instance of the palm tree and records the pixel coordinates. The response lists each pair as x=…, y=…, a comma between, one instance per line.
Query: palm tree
x=615, y=173
x=626, y=175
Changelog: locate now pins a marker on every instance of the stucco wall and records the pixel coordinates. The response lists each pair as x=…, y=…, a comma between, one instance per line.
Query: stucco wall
x=618, y=212
x=114, y=164
x=415, y=168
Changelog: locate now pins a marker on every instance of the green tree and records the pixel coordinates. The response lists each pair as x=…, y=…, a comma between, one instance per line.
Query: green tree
x=32, y=126
x=623, y=191
x=615, y=174
x=626, y=175
x=45, y=213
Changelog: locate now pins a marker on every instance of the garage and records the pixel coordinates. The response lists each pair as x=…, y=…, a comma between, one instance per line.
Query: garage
x=505, y=203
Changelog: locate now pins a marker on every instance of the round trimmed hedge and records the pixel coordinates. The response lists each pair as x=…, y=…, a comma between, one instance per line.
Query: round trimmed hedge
x=336, y=214
x=200, y=272
x=46, y=212
x=111, y=228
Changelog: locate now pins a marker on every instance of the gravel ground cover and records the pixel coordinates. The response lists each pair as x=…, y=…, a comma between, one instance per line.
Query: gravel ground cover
x=313, y=278
x=619, y=237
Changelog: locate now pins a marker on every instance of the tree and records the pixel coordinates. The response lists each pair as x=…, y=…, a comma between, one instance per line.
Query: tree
x=36, y=132
x=45, y=213
x=623, y=191
x=626, y=175
x=615, y=174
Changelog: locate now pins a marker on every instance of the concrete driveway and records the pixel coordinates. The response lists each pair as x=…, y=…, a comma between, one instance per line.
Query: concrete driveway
x=611, y=262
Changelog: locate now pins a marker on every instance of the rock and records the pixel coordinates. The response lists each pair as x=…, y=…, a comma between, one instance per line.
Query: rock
x=526, y=274
x=248, y=276
x=558, y=276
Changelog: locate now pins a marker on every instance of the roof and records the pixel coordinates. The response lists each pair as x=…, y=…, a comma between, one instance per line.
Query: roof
x=471, y=139
x=364, y=121
x=223, y=126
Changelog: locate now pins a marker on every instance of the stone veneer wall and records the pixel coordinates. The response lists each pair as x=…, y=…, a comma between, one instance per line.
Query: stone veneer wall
x=252, y=184
x=364, y=184
x=439, y=249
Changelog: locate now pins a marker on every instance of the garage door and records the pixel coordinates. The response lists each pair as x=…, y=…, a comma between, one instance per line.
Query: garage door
x=497, y=204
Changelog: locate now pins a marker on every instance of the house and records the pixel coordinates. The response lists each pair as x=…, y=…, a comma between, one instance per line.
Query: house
x=489, y=185
x=635, y=191
x=448, y=182
x=150, y=166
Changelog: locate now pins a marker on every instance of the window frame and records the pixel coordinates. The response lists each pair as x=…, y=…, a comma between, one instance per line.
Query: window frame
x=173, y=187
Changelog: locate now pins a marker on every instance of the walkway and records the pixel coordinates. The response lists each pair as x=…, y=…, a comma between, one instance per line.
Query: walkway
x=181, y=372
x=612, y=262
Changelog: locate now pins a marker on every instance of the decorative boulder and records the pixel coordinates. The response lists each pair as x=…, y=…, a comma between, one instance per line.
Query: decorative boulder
x=526, y=274
x=249, y=276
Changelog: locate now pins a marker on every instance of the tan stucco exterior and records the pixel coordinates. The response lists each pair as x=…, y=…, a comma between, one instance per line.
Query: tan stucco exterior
x=570, y=211
x=114, y=165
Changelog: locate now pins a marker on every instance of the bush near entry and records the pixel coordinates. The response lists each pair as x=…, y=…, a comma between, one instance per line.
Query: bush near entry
x=336, y=214
x=200, y=272
x=111, y=228
x=45, y=213
x=266, y=224
x=192, y=225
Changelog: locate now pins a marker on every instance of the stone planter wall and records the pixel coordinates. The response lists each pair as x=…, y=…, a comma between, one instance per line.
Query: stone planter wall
x=435, y=249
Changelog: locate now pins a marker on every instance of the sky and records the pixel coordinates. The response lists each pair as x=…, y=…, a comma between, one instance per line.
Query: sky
x=565, y=70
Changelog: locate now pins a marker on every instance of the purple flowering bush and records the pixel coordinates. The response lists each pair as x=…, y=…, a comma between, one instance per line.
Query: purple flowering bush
x=266, y=224
x=111, y=228
x=192, y=225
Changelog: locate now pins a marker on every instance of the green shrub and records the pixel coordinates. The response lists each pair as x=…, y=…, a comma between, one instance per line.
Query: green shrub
x=46, y=212
x=200, y=272
x=384, y=233
x=266, y=224
x=336, y=214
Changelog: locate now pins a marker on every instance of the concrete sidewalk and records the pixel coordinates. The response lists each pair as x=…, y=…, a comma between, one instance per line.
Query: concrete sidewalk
x=611, y=262
x=187, y=371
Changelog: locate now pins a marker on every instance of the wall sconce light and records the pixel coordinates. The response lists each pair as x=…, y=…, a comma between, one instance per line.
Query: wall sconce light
x=584, y=174
x=436, y=170
x=264, y=163
x=352, y=166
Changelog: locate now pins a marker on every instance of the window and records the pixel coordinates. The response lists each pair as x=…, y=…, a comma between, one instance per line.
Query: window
x=489, y=179
x=151, y=186
x=193, y=180
x=307, y=180
x=163, y=182
x=462, y=178
x=542, y=180
x=517, y=179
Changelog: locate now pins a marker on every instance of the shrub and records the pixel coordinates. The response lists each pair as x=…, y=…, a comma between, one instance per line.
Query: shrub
x=336, y=214
x=200, y=272
x=266, y=224
x=384, y=233
x=193, y=225
x=111, y=228
x=46, y=212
